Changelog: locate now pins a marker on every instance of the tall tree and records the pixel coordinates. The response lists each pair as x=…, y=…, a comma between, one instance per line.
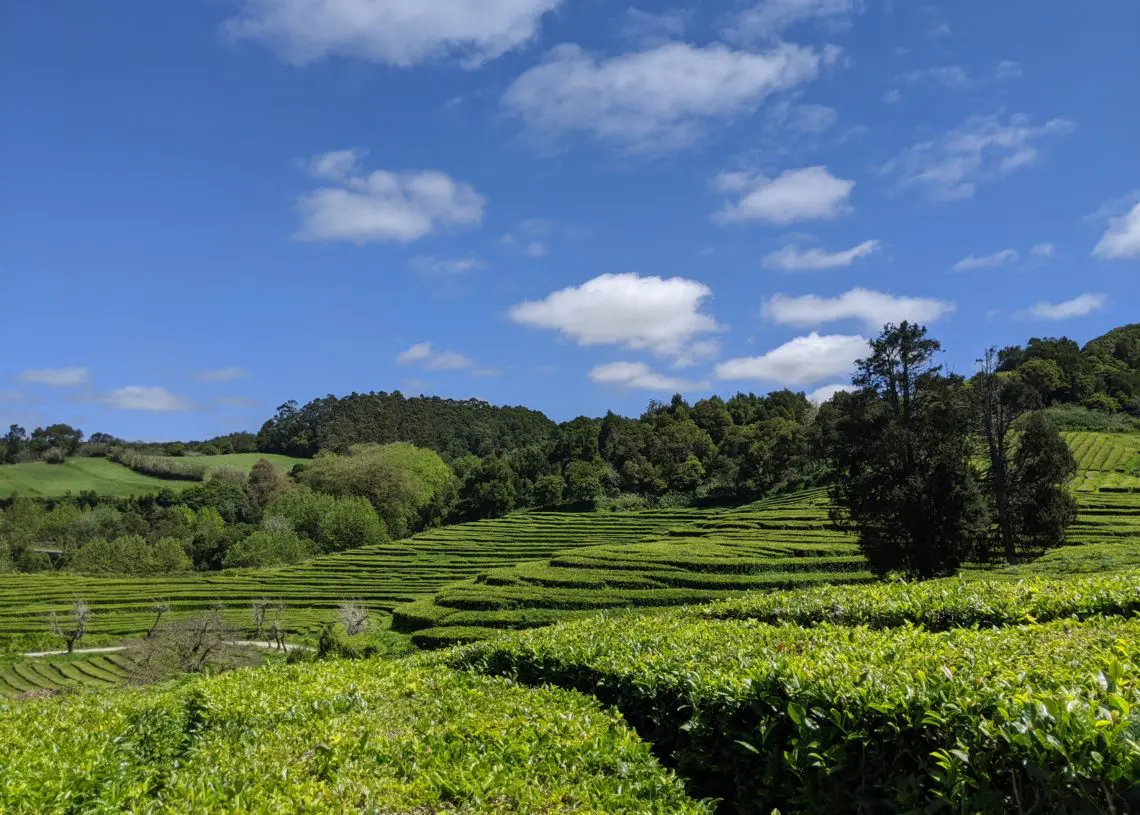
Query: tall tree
x=14, y=441
x=1000, y=399
x=1041, y=507
x=902, y=457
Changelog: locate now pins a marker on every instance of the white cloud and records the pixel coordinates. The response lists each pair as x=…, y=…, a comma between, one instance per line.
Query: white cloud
x=769, y=18
x=947, y=76
x=535, y=249
x=662, y=315
x=795, y=195
x=982, y=149
x=1044, y=250
x=874, y=309
x=637, y=375
x=793, y=259
x=56, y=377
x=1122, y=240
x=892, y=96
x=431, y=265
x=991, y=261
x=1077, y=307
x=648, y=28
x=1008, y=69
x=423, y=354
x=382, y=205
x=800, y=361
x=653, y=100
x=13, y=397
x=394, y=32
x=822, y=394
x=141, y=397
x=696, y=352
x=220, y=374
x=804, y=118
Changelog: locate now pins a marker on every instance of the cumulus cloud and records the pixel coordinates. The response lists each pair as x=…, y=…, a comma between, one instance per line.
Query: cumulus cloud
x=822, y=394
x=810, y=193
x=656, y=99
x=1122, y=239
x=793, y=259
x=229, y=374
x=637, y=375
x=654, y=313
x=769, y=18
x=382, y=205
x=394, y=32
x=800, y=361
x=982, y=149
x=70, y=377
x=1077, y=307
x=874, y=309
x=140, y=397
x=991, y=261
x=1043, y=250
x=431, y=265
x=805, y=118
x=425, y=355
x=649, y=28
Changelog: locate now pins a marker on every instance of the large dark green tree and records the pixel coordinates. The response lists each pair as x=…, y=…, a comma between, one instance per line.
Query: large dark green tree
x=1040, y=505
x=902, y=460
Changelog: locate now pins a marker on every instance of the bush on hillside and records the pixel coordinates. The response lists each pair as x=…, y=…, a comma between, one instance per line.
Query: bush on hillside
x=401, y=481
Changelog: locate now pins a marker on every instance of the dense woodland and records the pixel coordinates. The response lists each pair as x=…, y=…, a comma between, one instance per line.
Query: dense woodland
x=383, y=466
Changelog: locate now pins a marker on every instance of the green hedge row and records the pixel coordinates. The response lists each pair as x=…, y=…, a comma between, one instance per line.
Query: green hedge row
x=371, y=736
x=939, y=605
x=1039, y=718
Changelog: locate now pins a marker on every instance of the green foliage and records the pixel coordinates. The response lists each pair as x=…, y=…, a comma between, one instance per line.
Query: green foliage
x=350, y=523
x=850, y=719
x=488, y=490
x=939, y=605
x=268, y=547
x=130, y=554
x=401, y=481
x=382, y=736
x=548, y=490
x=902, y=459
x=1040, y=506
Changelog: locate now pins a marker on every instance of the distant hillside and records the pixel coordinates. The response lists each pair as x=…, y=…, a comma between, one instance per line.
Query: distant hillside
x=450, y=427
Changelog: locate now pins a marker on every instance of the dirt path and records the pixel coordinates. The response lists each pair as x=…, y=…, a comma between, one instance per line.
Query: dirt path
x=113, y=649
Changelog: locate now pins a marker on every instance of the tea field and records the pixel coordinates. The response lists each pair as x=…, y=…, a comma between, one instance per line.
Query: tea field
x=952, y=695
x=378, y=577
x=781, y=542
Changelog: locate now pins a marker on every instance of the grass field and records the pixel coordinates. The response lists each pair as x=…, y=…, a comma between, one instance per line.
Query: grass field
x=38, y=480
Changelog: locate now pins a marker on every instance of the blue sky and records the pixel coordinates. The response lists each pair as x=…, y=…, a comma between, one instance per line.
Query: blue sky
x=211, y=207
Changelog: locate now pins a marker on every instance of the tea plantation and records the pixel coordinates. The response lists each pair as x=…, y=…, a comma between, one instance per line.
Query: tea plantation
x=379, y=577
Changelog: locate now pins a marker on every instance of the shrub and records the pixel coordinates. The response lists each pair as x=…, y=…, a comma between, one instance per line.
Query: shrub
x=266, y=548
x=838, y=719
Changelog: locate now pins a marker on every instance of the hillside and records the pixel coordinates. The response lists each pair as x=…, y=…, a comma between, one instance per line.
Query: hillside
x=36, y=479
x=379, y=577
x=781, y=542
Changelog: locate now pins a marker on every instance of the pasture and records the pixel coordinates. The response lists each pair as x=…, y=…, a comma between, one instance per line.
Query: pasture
x=35, y=479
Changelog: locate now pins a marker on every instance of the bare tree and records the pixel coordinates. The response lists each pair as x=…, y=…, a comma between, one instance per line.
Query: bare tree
x=354, y=618
x=159, y=607
x=202, y=644
x=277, y=628
x=75, y=626
x=259, y=609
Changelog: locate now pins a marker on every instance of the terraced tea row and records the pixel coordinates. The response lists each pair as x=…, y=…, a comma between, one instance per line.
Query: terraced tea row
x=379, y=577
x=334, y=737
x=1105, y=460
x=772, y=716
x=779, y=543
x=30, y=676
